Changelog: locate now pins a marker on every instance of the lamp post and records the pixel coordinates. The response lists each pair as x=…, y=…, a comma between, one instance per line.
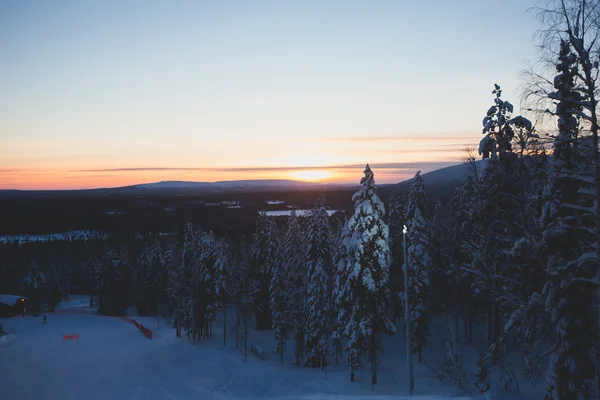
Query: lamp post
x=411, y=380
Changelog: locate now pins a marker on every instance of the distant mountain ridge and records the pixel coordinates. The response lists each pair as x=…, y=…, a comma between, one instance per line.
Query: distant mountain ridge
x=453, y=176
x=248, y=183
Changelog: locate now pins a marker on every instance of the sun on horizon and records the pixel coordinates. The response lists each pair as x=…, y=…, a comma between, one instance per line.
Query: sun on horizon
x=312, y=175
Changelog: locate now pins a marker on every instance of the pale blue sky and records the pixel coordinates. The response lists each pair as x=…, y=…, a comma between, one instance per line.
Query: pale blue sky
x=121, y=84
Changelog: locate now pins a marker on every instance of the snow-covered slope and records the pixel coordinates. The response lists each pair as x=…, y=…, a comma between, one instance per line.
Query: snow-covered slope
x=113, y=360
x=439, y=183
x=448, y=175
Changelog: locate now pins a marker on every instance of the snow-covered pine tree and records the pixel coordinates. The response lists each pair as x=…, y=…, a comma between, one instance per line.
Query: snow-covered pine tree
x=193, y=282
x=211, y=251
x=342, y=289
x=319, y=261
x=175, y=285
x=161, y=279
x=280, y=314
x=34, y=282
x=53, y=288
x=242, y=287
x=368, y=275
x=264, y=258
x=569, y=238
x=465, y=225
x=112, y=290
x=396, y=221
x=145, y=279
x=440, y=250
x=419, y=267
x=35, y=278
x=222, y=270
x=498, y=132
x=417, y=198
x=293, y=253
x=199, y=276
x=500, y=222
x=527, y=261
x=92, y=282
x=419, y=263
x=281, y=300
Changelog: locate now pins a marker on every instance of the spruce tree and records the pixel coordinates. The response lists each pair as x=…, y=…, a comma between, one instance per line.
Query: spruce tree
x=319, y=261
x=281, y=300
x=342, y=289
x=500, y=222
x=569, y=239
x=396, y=221
x=419, y=267
x=264, y=258
x=417, y=198
x=367, y=278
x=34, y=282
x=112, y=288
x=211, y=252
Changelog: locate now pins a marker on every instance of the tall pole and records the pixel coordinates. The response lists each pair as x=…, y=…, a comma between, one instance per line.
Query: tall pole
x=411, y=380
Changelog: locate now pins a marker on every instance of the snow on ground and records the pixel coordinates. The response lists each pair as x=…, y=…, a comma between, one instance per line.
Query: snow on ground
x=113, y=360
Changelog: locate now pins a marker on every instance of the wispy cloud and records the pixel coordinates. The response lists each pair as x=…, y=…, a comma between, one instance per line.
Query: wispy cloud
x=407, y=165
x=450, y=148
x=413, y=138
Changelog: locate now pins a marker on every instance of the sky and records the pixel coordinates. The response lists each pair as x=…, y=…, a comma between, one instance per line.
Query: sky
x=112, y=93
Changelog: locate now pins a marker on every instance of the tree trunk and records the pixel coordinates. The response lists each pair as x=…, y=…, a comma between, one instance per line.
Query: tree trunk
x=489, y=326
x=420, y=352
x=224, y=325
x=302, y=344
x=193, y=320
x=237, y=329
x=456, y=310
x=374, y=343
x=471, y=318
x=351, y=376
x=466, y=319
x=497, y=321
x=178, y=320
x=245, y=335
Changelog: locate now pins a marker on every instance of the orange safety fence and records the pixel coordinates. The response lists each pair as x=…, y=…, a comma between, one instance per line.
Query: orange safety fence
x=147, y=332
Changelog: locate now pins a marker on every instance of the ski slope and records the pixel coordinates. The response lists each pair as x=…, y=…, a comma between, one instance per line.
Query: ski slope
x=113, y=360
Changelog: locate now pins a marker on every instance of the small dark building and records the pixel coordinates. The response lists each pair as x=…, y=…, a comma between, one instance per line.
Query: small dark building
x=11, y=305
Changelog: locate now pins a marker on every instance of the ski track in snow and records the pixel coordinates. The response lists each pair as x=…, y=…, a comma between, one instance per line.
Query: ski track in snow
x=113, y=360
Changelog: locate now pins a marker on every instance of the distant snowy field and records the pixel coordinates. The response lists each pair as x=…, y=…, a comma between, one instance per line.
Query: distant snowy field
x=113, y=360
x=67, y=236
x=299, y=213
x=71, y=235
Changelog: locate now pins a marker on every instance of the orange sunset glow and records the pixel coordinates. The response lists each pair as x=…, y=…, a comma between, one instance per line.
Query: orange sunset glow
x=33, y=172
